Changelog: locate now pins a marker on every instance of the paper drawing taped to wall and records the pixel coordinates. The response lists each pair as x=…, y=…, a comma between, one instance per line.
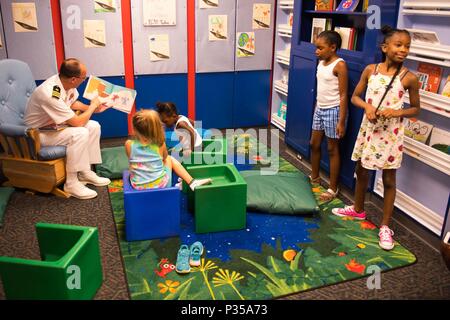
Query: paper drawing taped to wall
x=159, y=47
x=245, y=46
x=24, y=17
x=261, y=15
x=160, y=12
x=94, y=33
x=101, y=6
x=207, y=4
x=218, y=27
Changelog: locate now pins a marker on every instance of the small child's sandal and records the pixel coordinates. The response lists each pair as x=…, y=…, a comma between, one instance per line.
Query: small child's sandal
x=328, y=195
x=315, y=180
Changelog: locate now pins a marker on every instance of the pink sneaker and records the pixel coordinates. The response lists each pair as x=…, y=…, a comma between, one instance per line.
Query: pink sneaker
x=349, y=211
x=386, y=241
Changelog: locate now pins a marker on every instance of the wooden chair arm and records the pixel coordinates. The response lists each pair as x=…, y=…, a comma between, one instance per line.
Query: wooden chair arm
x=34, y=135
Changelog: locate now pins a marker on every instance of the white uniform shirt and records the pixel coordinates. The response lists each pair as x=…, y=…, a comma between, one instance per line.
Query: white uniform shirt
x=46, y=108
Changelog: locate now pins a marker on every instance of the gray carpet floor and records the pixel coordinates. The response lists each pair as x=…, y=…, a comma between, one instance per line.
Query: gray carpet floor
x=428, y=278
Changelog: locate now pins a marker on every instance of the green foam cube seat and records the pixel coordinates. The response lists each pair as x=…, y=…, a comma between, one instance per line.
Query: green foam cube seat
x=220, y=206
x=70, y=268
x=213, y=151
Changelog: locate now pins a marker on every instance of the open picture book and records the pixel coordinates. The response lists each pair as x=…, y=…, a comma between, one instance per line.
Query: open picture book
x=117, y=97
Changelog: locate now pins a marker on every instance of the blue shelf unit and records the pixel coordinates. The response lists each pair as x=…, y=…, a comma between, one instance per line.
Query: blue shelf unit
x=302, y=76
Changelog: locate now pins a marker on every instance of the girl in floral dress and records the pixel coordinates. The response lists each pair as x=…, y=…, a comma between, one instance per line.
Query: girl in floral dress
x=379, y=145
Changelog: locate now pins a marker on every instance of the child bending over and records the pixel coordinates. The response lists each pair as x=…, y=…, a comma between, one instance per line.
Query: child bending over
x=183, y=127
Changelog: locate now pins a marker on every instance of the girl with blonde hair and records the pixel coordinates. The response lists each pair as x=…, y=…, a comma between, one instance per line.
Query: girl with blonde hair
x=150, y=165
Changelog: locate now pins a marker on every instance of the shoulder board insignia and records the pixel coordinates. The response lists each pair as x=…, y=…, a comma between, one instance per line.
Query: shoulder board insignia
x=56, y=93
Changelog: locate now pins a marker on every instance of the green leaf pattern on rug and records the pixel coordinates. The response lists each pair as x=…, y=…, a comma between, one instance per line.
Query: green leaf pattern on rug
x=341, y=249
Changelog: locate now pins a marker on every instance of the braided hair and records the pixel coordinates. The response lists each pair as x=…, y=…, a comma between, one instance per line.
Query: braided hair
x=388, y=33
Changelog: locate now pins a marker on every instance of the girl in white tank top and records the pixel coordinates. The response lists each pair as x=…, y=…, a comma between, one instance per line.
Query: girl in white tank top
x=169, y=116
x=331, y=109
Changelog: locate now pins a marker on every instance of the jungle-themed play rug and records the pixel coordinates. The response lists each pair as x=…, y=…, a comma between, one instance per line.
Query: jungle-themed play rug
x=274, y=256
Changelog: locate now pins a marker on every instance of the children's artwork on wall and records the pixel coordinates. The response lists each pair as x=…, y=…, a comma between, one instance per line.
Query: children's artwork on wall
x=160, y=13
x=159, y=47
x=94, y=33
x=218, y=27
x=261, y=15
x=418, y=130
x=117, y=97
x=207, y=4
x=24, y=16
x=245, y=46
x=440, y=140
x=101, y=6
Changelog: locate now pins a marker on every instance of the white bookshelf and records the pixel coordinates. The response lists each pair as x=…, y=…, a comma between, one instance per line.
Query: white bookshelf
x=427, y=8
x=434, y=54
x=283, y=57
x=436, y=103
x=426, y=217
x=432, y=157
x=422, y=181
x=285, y=30
x=281, y=64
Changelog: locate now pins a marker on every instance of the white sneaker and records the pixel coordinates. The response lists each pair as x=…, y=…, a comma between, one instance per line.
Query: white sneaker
x=92, y=178
x=79, y=191
x=201, y=182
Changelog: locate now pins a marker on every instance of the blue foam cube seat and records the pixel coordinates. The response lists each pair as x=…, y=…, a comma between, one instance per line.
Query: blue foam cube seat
x=150, y=213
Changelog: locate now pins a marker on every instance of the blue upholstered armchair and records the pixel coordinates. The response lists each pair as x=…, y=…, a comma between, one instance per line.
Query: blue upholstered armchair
x=25, y=163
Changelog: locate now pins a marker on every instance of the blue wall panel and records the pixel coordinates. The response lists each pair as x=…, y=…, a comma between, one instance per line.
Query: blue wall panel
x=114, y=123
x=252, y=93
x=167, y=87
x=214, y=99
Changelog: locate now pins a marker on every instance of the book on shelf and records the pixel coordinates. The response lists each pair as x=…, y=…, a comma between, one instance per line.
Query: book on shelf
x=291, y=19
x=440, y=140
x=325, y=5
x=446, y=90
x=319, y=25
x=423, y=80
x=117, y=97
x=424, y=37
x=365, y=5
x=418, y=130
x=347, y=5
x=282, y=110
x=348, y=36
x=433, y=75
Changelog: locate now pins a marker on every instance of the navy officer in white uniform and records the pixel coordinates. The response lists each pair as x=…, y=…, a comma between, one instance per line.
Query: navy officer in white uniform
x=54, y=102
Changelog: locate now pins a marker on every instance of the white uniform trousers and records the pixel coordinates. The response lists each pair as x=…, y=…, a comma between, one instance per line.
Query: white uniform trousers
x=82, y=145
